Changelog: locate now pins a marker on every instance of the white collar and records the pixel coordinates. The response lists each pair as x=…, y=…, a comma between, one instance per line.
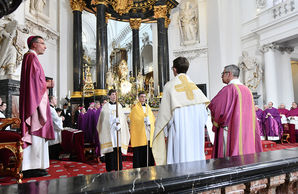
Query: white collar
x=235, y=81
x=33, y=51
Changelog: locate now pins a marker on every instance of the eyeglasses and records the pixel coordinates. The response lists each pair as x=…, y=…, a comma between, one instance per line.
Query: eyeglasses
x=224, y=73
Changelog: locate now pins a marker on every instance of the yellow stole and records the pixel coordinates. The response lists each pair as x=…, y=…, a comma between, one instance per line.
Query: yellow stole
x=137, y=125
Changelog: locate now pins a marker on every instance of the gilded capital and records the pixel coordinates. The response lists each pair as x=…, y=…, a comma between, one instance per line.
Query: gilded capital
x=160, y=11
x=135, y=23
x=77, y=5
x=167, y=22
x=99, y=2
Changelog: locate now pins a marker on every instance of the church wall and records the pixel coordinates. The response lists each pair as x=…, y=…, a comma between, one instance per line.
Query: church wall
x=65, y=51
x=295, y=80
x=195, y=50
x=224, y=46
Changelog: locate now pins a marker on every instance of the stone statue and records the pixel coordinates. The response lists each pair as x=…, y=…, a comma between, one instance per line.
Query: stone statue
x=188, y=23
x=37, y=5
x=8, y=53
x=252, y=72
x=12, y=44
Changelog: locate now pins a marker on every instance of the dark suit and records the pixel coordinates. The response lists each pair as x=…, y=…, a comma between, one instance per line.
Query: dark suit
x=67, y=115
x=75, y=119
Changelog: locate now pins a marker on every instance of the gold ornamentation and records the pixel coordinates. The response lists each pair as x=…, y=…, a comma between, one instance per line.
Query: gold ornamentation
x=77, y=5
x=76, y=94
x=135, y=23
x=101, y=92
x=88, y=88
x=122, y=6
x=186, y=87
x=99, y=2
x=160, y=11
x=167, y=22
x=108, y=16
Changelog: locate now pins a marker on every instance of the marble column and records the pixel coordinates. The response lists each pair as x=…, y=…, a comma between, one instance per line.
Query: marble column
x=101, y=48
x=285, y=79
x=270, y=74
x=160, y=13
x=166, y=51
x=77, y=7
x=135, y=24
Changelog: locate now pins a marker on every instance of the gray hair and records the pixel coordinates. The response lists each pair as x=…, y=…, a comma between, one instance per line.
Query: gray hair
x=234, y=69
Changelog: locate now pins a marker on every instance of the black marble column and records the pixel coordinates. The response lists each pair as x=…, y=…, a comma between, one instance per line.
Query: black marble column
x=166, y=56
x=77, y=50
x=135, y=52
x=162, y=74
x=101, y=47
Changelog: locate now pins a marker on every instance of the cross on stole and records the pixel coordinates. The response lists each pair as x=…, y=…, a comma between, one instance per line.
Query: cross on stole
x=186, y=87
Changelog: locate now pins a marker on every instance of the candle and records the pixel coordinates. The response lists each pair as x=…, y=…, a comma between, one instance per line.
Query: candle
x=68, y=93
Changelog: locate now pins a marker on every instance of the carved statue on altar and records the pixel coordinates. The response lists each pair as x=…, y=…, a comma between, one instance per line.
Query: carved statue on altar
x=189, y=23
x=110, y=80
x=125, y=85
x=88, y=88
x=123, y=70
x=252, y=72
x=140, y=82
x=151, y=87
x=12, y=44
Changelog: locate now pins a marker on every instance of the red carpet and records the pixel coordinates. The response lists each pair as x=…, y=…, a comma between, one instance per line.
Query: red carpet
x=63, y=169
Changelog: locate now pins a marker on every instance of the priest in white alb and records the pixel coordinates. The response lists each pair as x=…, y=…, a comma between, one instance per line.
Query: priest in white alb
x=181, y=118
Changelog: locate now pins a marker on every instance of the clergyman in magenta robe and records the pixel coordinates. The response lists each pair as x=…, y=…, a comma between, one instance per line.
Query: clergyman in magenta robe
x=35, y=113
x=293, y=123
x=272, y=123
x=234, y=118
x=259, y=113
x=89, y=125
x=81, y=120
x=283, y=117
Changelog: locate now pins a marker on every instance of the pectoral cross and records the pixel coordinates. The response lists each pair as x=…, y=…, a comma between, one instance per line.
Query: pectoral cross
x=186, y=87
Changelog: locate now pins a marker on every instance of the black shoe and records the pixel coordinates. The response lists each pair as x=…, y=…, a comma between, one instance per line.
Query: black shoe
x=34, y=173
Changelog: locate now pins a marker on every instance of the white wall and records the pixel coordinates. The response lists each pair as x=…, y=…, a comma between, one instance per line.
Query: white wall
x=295, y=80
x=224, y=44
x=65, y=51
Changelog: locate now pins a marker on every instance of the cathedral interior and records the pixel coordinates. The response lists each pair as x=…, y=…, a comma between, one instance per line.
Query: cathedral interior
x=129, y=45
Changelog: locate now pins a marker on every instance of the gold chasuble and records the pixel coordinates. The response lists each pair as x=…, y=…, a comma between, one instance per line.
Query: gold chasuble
x=178, y=92
x=105, y=131
x=137, y=125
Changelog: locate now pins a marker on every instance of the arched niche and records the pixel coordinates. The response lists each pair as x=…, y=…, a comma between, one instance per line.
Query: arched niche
x=147, y=59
